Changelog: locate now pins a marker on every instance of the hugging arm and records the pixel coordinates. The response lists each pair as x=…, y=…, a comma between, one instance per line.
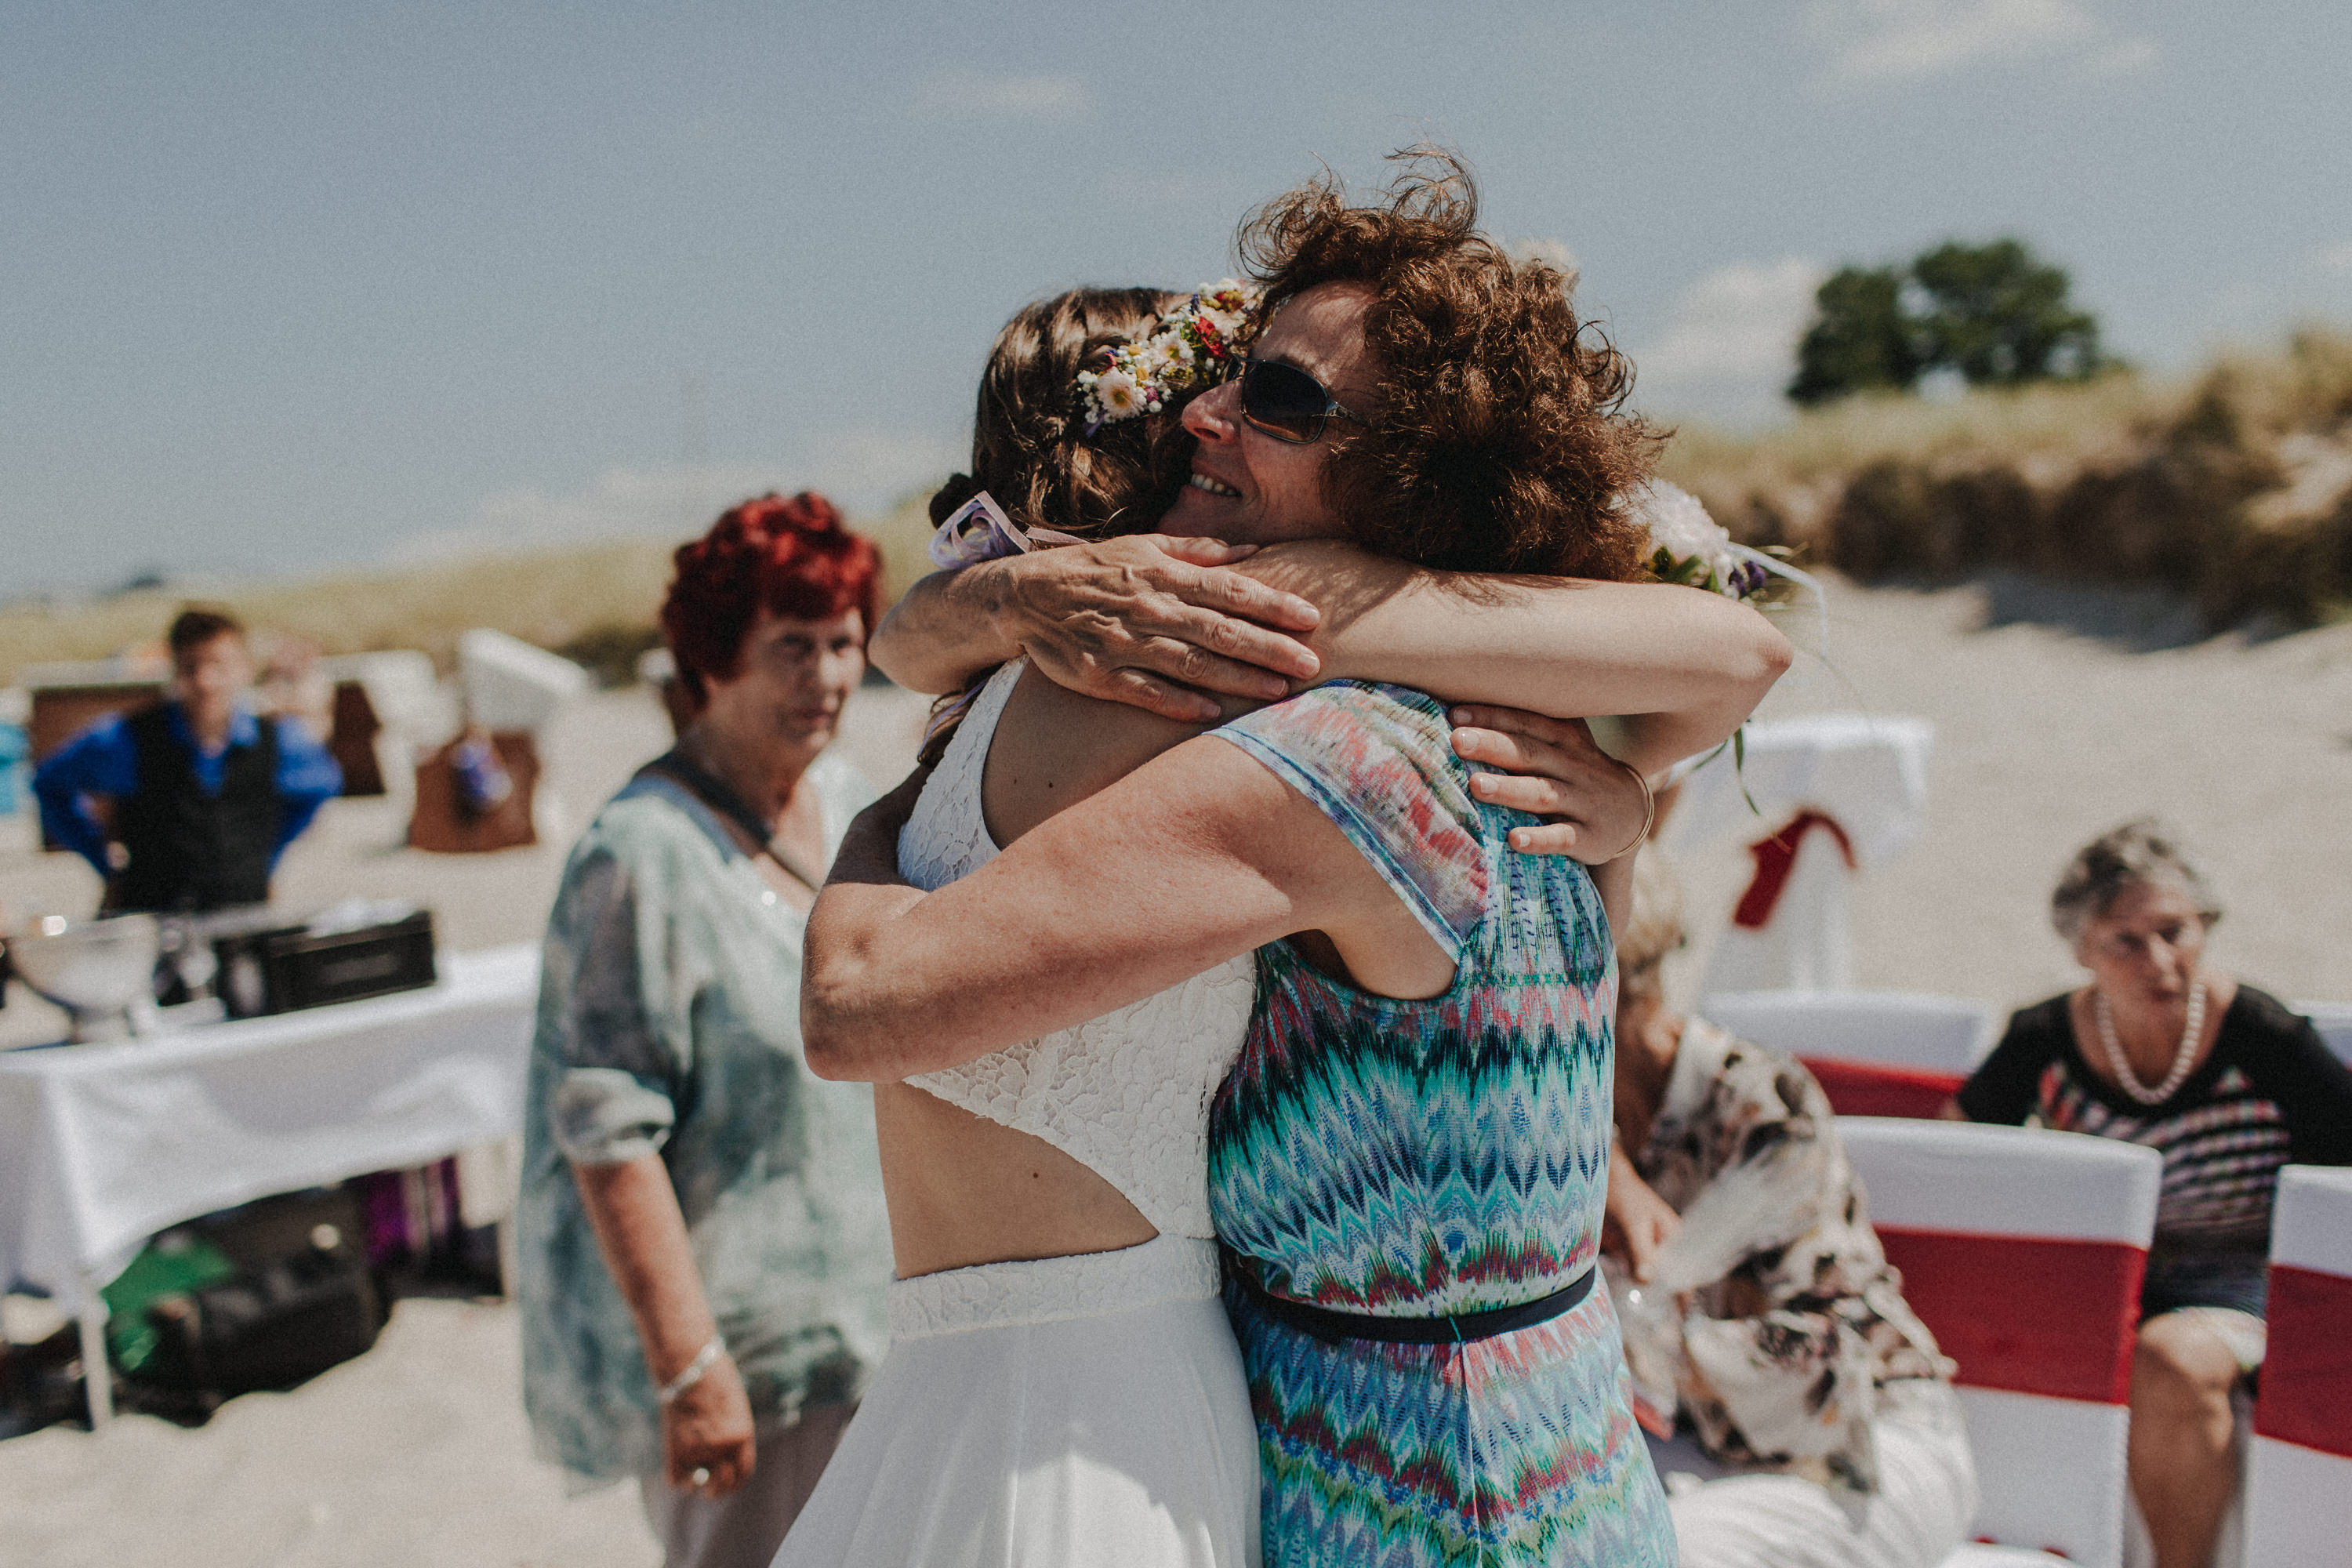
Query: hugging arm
x=1124, y=620
x=1683, y=668
x=1143, y=620
x=1214, y=855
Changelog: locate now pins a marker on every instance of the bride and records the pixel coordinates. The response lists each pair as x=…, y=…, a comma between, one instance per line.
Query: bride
x=1062, y=1385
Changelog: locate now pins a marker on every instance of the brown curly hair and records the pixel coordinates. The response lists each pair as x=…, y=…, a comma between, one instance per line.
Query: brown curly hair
x=1502, y=445
x=1030, y=448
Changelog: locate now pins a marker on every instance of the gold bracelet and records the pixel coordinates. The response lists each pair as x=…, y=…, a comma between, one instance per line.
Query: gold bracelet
x=1649, y=810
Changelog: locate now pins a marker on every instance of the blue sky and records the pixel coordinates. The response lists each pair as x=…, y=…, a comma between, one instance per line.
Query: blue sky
x=288, y=287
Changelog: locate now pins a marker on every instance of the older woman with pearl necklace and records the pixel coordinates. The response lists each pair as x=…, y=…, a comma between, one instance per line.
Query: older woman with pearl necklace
x=2228, y=1085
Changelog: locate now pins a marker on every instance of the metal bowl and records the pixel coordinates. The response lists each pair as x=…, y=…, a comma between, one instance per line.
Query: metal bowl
x=102, y=971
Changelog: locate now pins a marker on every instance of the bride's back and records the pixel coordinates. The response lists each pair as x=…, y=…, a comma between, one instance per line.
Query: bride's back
x=1047, y=1149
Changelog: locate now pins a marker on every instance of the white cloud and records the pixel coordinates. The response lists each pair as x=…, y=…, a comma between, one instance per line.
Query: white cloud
x=863, y=472
x=1906, y=40
x=1731, y=345
x=996, y=95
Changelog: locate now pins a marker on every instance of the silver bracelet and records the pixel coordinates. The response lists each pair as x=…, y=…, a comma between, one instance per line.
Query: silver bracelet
x=704, y=1359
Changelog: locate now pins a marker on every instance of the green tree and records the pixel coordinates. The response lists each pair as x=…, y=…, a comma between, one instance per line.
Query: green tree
x=1862, y=339
x=2000, y=316
x=1995, y=313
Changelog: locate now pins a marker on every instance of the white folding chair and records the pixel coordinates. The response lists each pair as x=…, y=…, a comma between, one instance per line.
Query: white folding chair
x=1876, y=1053
x=2334, y=1022
x=2022, y=1250
x=2299, y=1485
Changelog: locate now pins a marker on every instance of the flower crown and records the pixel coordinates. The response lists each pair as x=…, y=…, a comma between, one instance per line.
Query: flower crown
x=1193, y=346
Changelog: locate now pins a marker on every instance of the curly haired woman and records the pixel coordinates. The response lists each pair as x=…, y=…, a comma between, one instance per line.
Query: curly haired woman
x=1406, y=1158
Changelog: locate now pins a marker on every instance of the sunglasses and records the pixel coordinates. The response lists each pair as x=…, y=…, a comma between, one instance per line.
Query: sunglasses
x=1287, y=403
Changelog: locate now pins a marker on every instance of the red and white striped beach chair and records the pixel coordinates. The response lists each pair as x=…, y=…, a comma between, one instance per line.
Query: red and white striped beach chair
x=2024, y=1250
x=1876, y=1053
x=2299, y=1481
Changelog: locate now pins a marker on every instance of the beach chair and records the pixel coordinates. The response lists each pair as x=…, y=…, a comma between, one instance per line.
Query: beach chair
x=2298, y=1509
x=2334, y=1022
x=2024, y=1250
x=1876, y=1053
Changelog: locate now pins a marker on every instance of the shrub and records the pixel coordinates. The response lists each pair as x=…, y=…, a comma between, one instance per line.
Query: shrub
x=2232, y=489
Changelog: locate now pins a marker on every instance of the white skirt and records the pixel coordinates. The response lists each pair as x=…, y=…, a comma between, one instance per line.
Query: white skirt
x=1066, y=1413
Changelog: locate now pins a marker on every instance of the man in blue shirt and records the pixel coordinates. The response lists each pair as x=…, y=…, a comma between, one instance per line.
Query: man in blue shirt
x=204, y=792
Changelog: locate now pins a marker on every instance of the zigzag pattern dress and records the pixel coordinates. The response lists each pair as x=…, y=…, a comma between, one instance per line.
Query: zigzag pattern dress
x=1425, y=1159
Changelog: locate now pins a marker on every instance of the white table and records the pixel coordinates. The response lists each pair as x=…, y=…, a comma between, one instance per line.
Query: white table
x=100, y=1146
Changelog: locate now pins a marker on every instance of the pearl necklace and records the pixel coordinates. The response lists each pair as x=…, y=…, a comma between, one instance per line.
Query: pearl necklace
x=2120, y=1065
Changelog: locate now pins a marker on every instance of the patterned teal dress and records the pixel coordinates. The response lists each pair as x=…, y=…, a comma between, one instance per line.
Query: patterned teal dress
x=1425, y=1159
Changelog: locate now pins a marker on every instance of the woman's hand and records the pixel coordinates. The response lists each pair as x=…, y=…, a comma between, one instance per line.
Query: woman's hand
x=1147, y=620
x=1636, y=1222
x=1554, y=770
x=869, y=850
x=708, y=1427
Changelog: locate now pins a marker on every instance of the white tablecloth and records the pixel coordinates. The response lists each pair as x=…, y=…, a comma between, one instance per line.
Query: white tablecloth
x=102, y=1145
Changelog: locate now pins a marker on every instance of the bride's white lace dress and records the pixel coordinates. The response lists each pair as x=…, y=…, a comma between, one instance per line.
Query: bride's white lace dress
x=1085, y=1410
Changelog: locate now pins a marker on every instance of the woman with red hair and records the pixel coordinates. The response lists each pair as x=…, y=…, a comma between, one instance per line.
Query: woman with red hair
x=703, y=1235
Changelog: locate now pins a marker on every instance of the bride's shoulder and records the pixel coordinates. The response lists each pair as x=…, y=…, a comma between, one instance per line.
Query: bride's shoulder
x=1054, y=747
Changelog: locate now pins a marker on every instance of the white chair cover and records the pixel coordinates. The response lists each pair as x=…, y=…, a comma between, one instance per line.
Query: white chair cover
x=2299, y=1486
x=1868, y=770
x=1867, y=774
x=2051, y=1469
x=1899, y=1028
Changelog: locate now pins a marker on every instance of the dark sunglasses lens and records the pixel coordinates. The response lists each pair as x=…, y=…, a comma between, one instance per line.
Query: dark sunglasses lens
x=1282, y=400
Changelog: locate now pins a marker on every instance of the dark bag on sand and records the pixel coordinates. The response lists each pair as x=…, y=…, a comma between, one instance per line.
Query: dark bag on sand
x=301, y=1300
x=270, y=1326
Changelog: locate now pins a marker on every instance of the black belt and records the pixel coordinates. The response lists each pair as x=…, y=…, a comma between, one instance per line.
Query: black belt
x=1337, y=1327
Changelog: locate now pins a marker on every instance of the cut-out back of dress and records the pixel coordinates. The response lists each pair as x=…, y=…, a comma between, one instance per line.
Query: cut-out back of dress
x=1126, y=1094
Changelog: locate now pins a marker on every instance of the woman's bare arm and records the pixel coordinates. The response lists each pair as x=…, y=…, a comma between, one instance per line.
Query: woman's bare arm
x=633, y=1209
x=1685, y=669
x=1122, y=619
x=1200, y=855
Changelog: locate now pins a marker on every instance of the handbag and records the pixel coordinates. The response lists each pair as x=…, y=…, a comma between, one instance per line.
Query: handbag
x=299, y=1298
x=271, y=1326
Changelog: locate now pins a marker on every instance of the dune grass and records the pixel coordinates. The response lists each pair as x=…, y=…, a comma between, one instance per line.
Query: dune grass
x=580, y=598
x=2233, y=486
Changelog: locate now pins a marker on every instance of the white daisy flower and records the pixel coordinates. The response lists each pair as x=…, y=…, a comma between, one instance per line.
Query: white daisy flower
x=1118, y=394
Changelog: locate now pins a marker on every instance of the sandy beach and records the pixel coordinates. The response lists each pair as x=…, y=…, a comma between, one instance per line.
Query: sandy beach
x=417, y=1453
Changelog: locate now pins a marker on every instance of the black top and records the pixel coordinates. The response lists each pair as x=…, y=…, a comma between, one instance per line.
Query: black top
x=191, y=851
x=2270, y=1094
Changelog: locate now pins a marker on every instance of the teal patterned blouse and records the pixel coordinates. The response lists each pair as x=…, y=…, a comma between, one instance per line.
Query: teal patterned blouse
x=669, y=1022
